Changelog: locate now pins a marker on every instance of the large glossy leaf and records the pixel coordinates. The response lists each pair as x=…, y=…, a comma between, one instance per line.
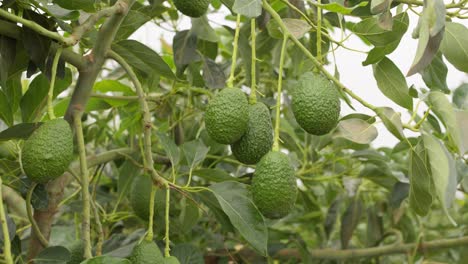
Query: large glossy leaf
x=5, y=109
x=370, y=30
x=172, y=151
x=350, y=220
x=392, y=83
x=34, y=100
x=444, y=110
x=421, y=185
x=357, y=130
x=460, y=96
x=236, y=202
x=143, y=58
x=184, y=45
x=214, y=175
x=339, y=8
x=435, y=74
x=430, y=30
x=187, y=254
x=133, y=21
x=248, y=8
x=53, y=255
x=454, y=45
x=19, y=131
x=203, y=30
x=462, y=120
x=392, y=121
x=7, y=57
x=86, y=5
x=443, y=171
x=213, y=74
x=195, y=152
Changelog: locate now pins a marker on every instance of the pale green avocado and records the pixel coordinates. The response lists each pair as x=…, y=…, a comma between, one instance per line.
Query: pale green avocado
x=316, y=104
x=76, y=253
x=147, y=252
x=258, y=139
x=274, y=188
x=140, y=193
x=227, y=116
x=47, y=153
x=192, y=8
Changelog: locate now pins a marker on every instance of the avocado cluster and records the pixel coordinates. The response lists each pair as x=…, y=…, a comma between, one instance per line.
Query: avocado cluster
x=192, y=8
x=316, y=104
x=274, y=188
x=146, y=252
x=140, y=193
x=48, y=152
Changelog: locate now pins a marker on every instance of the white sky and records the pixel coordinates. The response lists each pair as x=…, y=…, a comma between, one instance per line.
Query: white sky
x=356, y=77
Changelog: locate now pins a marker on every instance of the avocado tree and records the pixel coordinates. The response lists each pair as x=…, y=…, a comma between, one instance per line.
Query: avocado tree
x=235, y=141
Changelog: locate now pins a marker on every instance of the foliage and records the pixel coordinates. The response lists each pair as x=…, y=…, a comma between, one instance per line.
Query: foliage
x=145, y=115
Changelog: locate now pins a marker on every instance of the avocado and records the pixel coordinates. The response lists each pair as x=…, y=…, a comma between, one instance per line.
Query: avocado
x=76, y=253
x=192, y=8
x=274, y=188
x=147, y=252
x=316, y=104
x=227, y=116
x=258, y=139
x=140, y=193
x=47, y=153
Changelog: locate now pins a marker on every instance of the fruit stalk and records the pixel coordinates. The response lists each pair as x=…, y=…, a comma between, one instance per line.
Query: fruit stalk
x=278, y=94
x=253, y=86
x=230, y=81
x=150, y=234
x=319, y=32
x=6, y=234
x=33, y=222
x=85, y=226
x=166, y=219
x=50, y=97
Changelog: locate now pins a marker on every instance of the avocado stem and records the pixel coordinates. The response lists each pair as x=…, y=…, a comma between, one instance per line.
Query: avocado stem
x=253, y=86
x=230, y=81
x=278, y=94
x=53, y=74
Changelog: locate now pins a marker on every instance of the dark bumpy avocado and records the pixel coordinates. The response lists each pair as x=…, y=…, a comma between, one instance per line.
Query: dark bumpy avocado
x=147, y=252
x=140, y=193
x=76, y=253
x=192, y=8
x=316, y=104
x=274, y=188
x=48, y=151
x=227, y=116
x=257, y=140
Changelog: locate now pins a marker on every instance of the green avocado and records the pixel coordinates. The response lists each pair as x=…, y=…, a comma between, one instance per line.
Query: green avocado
x=147, y=252
x=316, y=104
x=76, y=253
x=47, y=153
x=274, y=188
x=227, y=116
x=140, y=193
x=192, y=8
x=257, y=140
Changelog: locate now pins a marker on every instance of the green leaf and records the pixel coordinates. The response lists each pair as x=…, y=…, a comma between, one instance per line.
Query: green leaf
x=14, y=91
x=127, y=172
x=392, y=121
x=94, y=104
x=399, y=193
x=106, y=86
x=392, y=83
x=421, y=185
x=430, y=30
x=195, y=152
x=370, y=30
x=462, y=120
x=189, y=215
x=187, y=254
x=53, y=255
x=444, y=110
x=213, y=175
x=86, y=5
x=454, y=45
x=332, y=214
x=460, y=96
x=357, y=130
x=298, y=28
x=203, y=30
x=435, y=74
x=172, y=151
x=133, y=21
x=34, y=101
x=142, y=58
x=184, y=45
x=106, y=260
x=350, y=220
x=19, y=131
x=213, y=74
x=5, y=110
x=336, y=7
x=380, y=6
x=443, y=171
x=62, y=13
x=7, y=58
x=235, y=200
x=248, y=8
x=36, y=45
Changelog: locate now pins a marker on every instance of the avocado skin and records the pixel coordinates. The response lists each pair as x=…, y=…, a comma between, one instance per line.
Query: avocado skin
x=274, y=188
x=147, y=252
x=258, y=139
x=140, y=193
x=316, y=104
x=227, y=116
x=47, y=153
x=76, y=253
x=192, y=8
